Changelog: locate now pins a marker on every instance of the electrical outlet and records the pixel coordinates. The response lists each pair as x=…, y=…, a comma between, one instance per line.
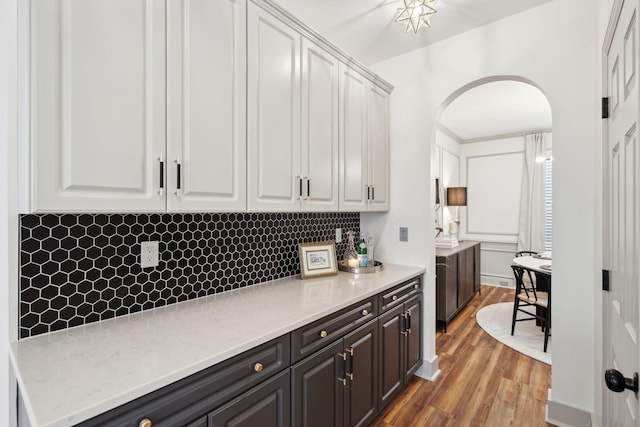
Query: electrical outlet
x=149, y=254
x=404, y=234
x=338, y=235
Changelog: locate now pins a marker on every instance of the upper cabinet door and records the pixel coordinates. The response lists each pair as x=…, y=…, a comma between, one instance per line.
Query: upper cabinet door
x=320, y=117
x=378, y=148
x=206, y=104
x=354, y=172
x=97, y=105
x=273, y=114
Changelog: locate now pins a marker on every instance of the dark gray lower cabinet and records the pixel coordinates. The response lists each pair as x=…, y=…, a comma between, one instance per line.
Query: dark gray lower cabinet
x=400, y=347
x=267, y=405
x=317, y=388
x=337, y=386
x=361, y=347
x=338, y=371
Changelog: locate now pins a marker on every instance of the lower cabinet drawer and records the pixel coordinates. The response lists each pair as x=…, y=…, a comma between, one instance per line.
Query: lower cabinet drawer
x=267, y=405
x=399, y=294
x=314, y=336
x=186, y=401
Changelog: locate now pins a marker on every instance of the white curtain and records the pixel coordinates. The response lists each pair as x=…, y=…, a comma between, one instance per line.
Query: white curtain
x=531, y=224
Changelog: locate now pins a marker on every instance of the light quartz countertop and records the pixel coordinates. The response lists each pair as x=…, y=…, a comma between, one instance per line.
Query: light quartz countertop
x=69, y=376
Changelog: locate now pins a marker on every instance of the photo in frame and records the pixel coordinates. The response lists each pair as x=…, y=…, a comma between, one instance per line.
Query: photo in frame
x=317, y=259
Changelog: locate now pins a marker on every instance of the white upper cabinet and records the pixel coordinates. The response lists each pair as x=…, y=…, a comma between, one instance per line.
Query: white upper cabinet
x=96, y=106
x=320, y=118
x=364, y=143
x=273, y=113
x=206, y=101
x=354, y=137
x=292, y=119
x=378, y=104
x=137, y=106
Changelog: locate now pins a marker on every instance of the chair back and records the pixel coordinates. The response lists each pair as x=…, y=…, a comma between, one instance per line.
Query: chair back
x=522, y=284
x=525, y=253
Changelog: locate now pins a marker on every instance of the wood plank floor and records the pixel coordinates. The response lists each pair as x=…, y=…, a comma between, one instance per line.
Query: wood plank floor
x=482, y=382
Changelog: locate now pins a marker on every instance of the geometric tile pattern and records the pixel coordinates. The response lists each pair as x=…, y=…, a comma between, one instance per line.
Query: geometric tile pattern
x=77, y=269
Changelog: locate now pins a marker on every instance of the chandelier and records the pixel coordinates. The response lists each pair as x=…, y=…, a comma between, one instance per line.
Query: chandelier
x=415, y=14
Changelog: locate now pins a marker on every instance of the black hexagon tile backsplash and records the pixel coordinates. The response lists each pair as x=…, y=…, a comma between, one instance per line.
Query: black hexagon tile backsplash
x=77, y=269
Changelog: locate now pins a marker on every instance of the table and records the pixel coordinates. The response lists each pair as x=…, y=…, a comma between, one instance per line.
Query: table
x=534, y=263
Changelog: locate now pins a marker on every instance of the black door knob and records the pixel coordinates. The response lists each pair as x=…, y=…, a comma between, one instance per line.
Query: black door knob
x=618, y=383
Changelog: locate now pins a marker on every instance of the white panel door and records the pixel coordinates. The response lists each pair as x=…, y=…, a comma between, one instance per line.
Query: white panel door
x=354, y=141
x=319, y=138
x=206, y=80
x=622, y=225
x=378, y=148
x=273, y=114
x=97, y=105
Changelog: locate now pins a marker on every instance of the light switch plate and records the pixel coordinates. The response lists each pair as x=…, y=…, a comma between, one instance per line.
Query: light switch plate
x=149, y=254
x=338, y=235
x=404, y=234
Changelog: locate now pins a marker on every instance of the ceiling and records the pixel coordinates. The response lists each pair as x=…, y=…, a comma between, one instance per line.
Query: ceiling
x=366, y=29
x=498, y=108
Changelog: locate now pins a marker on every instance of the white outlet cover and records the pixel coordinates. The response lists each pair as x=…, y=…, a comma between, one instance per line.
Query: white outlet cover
x=338, y=235
x=149, y=254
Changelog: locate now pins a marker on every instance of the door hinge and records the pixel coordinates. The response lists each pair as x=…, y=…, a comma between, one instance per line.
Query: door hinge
x=605, y=108
x=605, y=280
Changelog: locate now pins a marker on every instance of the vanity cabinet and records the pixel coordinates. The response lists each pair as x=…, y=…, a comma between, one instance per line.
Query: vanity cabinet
x=132, y=110
x=400, y=331
x=457, y=279
x=364, y=143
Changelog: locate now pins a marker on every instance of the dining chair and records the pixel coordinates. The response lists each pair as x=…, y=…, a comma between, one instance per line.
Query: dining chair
x=528, y=296
x=531, y=278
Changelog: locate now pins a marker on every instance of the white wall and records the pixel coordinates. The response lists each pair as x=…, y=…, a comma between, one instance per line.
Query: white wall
x=8, y=215
x=553, y=46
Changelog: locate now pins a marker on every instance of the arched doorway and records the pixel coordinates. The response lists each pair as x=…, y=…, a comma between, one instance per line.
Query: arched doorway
x=479, y=142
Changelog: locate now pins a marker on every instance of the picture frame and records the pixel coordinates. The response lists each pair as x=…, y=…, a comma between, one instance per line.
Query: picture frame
x=317, y=259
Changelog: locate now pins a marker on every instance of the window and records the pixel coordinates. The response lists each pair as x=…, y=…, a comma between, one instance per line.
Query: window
x=548, y=178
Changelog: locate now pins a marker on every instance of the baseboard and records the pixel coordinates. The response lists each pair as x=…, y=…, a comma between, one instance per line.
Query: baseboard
x=429, y=369
x=564, y=415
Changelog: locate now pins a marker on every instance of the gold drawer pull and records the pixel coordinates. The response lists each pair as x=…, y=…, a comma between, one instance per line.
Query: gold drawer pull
x=258, y=367
x=323, y=334
x=365, y=312
x=145, y=423
x=395, y=297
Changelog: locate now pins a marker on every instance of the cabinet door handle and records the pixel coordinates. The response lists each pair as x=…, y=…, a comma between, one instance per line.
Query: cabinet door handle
x=323, y=334
x=416, y=286
x=408, y=317
x=308, y=188
x=178, y=175
x=145, y=423
x=161, y=160
x=300, y=188
x=395, y=297
x=368, y=193
x=258, y=367
x=373, y=192
x=350, y=376
x=365, y=312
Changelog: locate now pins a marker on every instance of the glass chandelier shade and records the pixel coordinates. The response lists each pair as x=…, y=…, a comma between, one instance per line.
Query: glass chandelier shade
x=415, y=14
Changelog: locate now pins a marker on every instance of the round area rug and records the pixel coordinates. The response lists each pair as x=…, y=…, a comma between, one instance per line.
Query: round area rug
x=527, y=339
